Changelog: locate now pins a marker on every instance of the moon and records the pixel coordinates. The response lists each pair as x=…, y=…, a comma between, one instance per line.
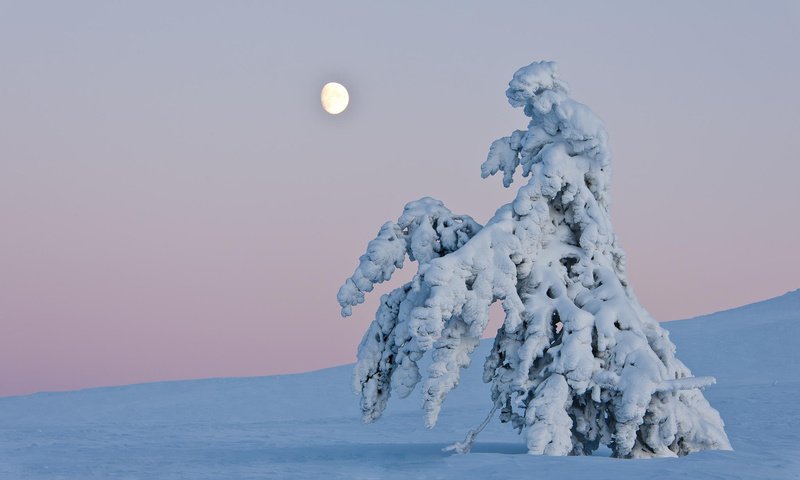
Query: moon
x=334, y=98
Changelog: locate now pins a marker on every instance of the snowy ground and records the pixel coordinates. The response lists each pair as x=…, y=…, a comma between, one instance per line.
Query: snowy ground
x=308, y=426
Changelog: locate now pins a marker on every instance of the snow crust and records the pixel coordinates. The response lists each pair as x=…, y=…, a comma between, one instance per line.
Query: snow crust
x=578, y=363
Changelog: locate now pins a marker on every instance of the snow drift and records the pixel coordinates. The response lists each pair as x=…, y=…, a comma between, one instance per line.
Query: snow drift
x=308, y=426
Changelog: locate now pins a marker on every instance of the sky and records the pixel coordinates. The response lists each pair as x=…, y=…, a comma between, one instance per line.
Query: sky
x=174, y=203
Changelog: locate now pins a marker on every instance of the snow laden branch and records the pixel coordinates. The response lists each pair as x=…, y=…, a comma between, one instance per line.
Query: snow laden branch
x=388, y=354
x=577, y=362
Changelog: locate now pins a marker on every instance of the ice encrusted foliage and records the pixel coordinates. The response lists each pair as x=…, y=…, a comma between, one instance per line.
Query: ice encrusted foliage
x=577, y=362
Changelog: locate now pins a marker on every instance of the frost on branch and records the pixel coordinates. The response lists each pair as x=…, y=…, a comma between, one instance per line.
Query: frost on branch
x=577, y=362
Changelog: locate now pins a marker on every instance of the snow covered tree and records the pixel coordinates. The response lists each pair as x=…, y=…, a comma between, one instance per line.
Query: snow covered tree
x=577, y=362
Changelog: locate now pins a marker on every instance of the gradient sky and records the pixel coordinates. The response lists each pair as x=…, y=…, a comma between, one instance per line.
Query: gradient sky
x=174, y=203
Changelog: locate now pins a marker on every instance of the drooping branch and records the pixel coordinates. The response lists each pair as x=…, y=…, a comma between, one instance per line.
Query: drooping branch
x=387, y=356
x=425, y=230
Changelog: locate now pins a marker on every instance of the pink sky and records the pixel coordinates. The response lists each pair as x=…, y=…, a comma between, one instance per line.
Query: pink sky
x=175, y=204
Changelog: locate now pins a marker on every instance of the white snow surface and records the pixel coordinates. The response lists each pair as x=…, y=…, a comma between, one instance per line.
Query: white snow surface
x=309, y=425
